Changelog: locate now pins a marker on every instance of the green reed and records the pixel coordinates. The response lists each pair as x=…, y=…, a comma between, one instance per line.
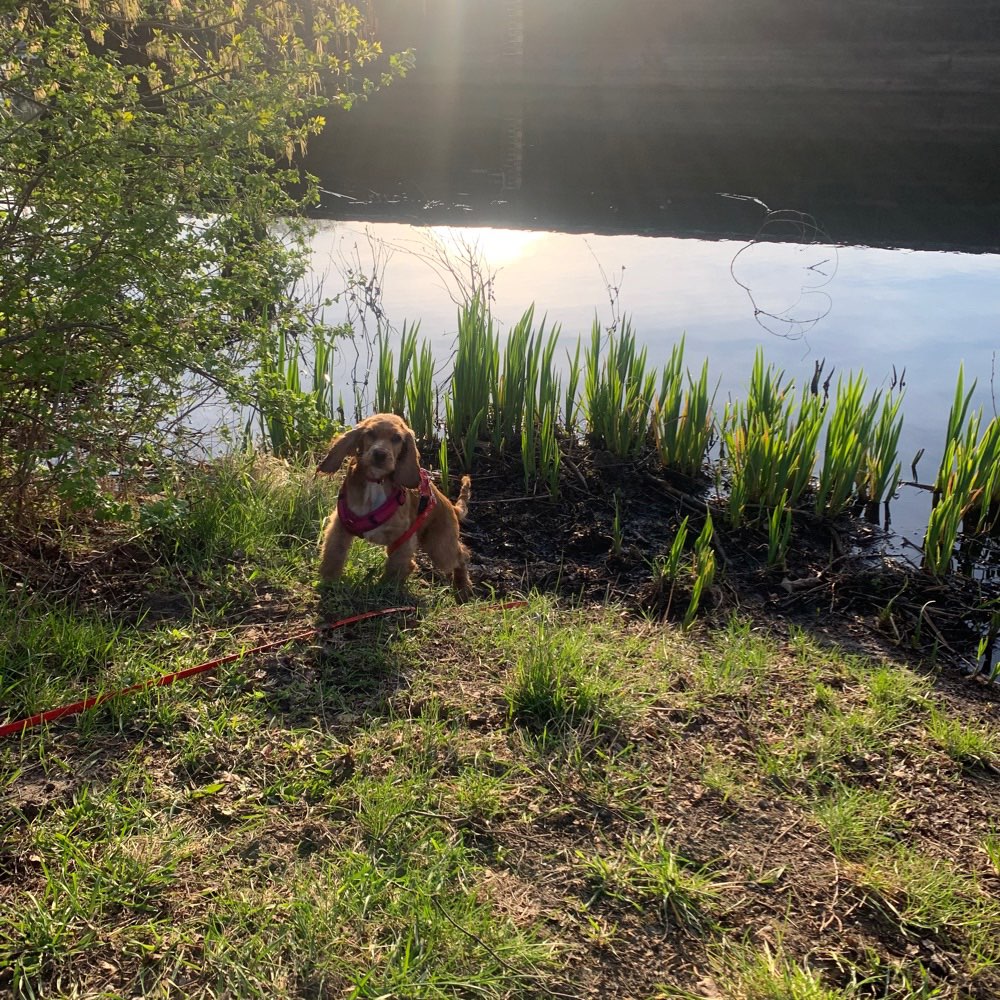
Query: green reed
x=770, y=442
x=443, y=467
x=572, y=387
x=967, y=487
x=420, y=396
x=779, y=533
x=540, y=456
x=324, y=358
x=473, y=380
x=511, y=390
x=617, y=527
x=295, y=407
x=967, y=490
x=392, y=380
x=881, y=466
x=618, y=393
x=547, y=402
x=988, y=462
x=682, y=417
x=958, y=424
x=704, y=571
x=860, y=458
x=550, y=457
x=847, y=437
x=667, y=568
x=407, y=388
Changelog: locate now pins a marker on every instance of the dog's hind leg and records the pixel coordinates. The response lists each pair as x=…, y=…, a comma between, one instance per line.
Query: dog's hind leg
x=460, y=578
x=333, y=550
x=451, y=559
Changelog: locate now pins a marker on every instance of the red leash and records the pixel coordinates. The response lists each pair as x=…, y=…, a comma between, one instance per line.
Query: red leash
x=12, y=728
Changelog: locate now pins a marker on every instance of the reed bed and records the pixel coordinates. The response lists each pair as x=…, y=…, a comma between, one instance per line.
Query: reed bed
x=967, y=488
x=770, y=443
x=506, y=394
x=473, y=380
x=860, y=461
x=619, y=392
x=683, y=423
x=295, y=406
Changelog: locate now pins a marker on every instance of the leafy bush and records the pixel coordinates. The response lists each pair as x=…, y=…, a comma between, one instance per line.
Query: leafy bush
x=148, y=153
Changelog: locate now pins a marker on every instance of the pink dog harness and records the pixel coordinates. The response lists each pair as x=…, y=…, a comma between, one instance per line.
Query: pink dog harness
x=361, y=524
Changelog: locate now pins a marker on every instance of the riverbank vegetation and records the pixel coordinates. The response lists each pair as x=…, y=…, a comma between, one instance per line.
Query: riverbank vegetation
x=149, y=150
x=723, y=748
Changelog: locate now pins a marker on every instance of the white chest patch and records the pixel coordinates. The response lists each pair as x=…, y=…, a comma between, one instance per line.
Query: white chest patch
x=375, y=495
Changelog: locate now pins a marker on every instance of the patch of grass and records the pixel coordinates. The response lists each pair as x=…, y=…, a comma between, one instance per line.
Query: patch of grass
x=857, y=723
x=895, y=692
x=261, y=512
x=855, y=819
x=970, y=744
x=931, y=896
x=991, y=848
x=50, y=650
x=480, y=796
x=736, y=659
x=554, y=688
x=645, y=872
x=741, y=972
x=724, y=776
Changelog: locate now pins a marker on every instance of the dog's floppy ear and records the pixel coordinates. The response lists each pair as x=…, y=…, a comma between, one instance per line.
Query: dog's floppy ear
x=340, y=448
x=408, y=464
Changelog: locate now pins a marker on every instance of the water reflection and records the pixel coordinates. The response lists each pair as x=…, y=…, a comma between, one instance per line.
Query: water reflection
x=879, y=310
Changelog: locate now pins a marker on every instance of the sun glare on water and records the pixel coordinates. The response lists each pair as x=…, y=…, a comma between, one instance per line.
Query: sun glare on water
x=497, y=247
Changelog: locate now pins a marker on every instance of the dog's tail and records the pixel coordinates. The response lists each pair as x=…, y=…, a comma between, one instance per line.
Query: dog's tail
x=461, y=505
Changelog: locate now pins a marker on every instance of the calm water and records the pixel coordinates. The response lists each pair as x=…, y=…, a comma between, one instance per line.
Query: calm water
x=852, y=307
x=554, y=120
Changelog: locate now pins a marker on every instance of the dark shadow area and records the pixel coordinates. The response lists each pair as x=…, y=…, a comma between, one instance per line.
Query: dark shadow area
x=880, y=120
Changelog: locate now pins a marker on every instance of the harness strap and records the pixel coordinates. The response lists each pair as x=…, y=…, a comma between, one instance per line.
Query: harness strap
x=427, y=503
x=359, y=524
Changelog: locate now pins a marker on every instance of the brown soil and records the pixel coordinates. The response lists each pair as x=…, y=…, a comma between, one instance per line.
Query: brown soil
x=837, y=579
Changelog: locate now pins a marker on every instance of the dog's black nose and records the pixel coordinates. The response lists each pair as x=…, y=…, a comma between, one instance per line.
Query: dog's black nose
x=379, y=454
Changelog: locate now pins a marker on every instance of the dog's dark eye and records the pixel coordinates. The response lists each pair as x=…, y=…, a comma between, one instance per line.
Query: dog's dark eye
x=396, y=438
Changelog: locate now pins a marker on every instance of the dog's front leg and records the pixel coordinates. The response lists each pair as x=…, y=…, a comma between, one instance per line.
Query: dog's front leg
x=334, y=549
x=400, y=563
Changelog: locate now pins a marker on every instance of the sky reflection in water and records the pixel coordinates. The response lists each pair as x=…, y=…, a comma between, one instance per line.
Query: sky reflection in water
x=854, y=307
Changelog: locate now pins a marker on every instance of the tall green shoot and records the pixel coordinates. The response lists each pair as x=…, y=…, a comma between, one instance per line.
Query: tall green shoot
x=682, y=418
x=619, y=393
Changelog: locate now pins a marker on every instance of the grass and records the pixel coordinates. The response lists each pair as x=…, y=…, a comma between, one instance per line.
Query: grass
x=927, y=895
x=747, y=973
x=648, y=875
x=970, y=744
x=855, y=819
x=554, y=799
x=553, y=688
